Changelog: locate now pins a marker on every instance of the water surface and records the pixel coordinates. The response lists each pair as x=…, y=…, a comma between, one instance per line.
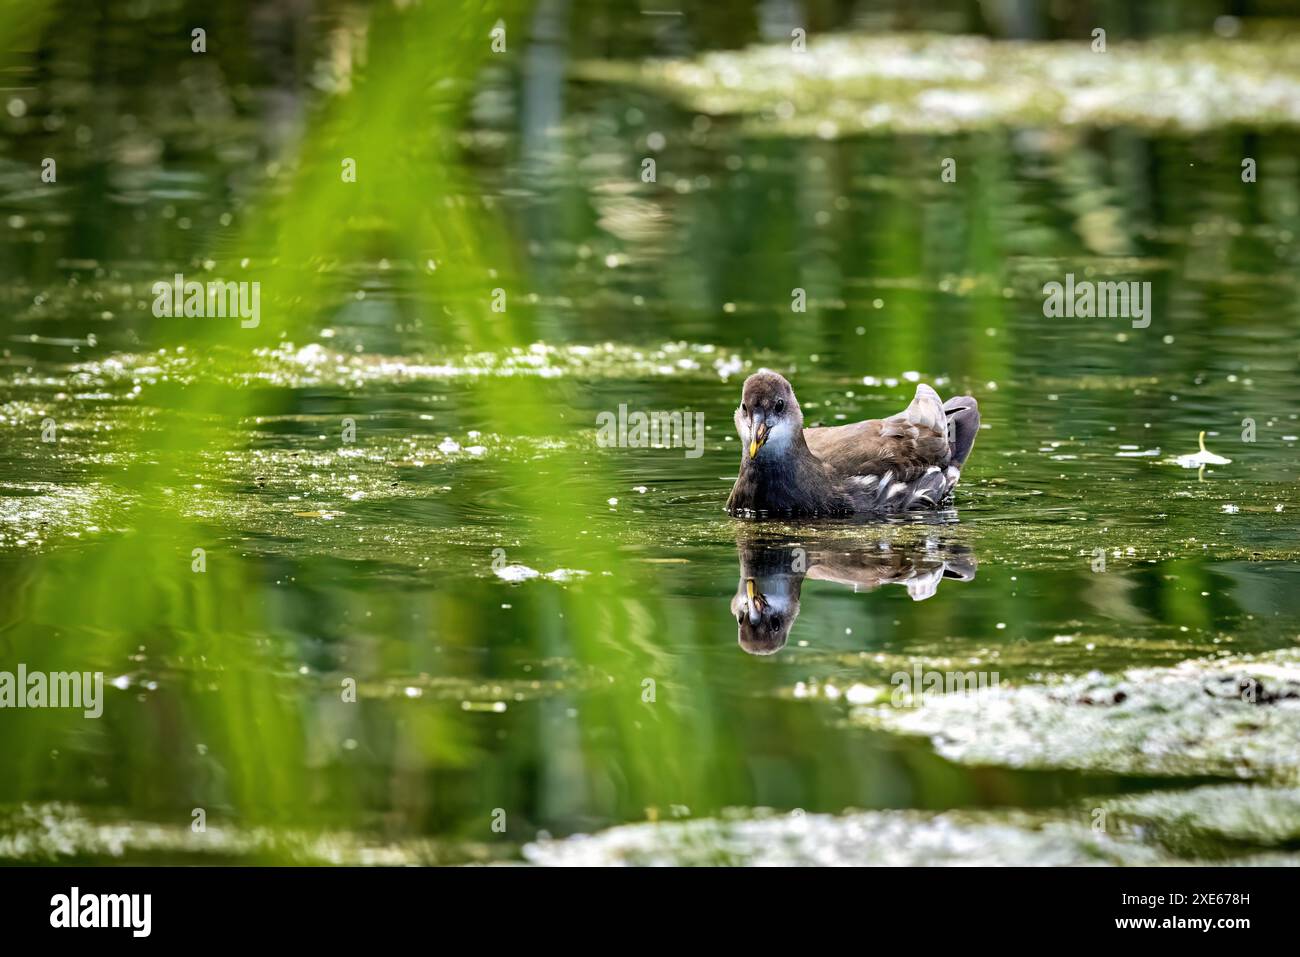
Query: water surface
x=539, y=628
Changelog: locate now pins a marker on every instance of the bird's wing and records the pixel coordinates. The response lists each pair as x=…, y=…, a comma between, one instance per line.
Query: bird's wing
x=862, y=571
x=920, y=573
x=907, y=444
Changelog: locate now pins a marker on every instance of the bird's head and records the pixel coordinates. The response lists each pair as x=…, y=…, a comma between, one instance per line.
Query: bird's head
x=769, y=419
x=764, y=609
x=766, y=602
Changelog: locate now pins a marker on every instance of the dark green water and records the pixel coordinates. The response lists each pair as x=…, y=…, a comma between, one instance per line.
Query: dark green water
x=403, y=561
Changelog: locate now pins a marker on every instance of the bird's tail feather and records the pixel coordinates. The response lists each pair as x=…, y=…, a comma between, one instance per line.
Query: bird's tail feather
x=963, y=414
x=926, y=409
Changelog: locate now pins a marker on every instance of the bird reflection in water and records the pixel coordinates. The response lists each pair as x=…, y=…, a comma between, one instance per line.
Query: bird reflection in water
x=766, y=602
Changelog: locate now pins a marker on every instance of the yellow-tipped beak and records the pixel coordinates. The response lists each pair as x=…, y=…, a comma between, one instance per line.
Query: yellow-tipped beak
x=749, y=588
x=760, y=436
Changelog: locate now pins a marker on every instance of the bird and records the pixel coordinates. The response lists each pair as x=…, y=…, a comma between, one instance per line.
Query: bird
x=767, y=598
x=906, y=462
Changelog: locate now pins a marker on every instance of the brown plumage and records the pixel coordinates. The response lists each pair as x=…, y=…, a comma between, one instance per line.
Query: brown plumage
x=908, y=461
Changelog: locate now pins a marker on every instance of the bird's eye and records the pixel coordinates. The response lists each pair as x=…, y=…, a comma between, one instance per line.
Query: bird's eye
x=744, y=409
x=780, y=405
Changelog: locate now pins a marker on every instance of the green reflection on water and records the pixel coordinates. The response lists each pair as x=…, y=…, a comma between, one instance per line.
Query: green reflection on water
x=374, y=560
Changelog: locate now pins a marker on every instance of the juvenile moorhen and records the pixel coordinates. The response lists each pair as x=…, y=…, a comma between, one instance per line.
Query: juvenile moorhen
x=767, y=598
x=911, y=460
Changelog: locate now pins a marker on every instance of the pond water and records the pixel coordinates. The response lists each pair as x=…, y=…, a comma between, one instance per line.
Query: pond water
x=364, y=585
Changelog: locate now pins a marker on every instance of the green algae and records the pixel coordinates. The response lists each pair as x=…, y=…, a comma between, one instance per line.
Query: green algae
x=59, y=833
x=1234, y=815
x=37, y=515
x=881, y=838
x=875, y=838
x=1231, y=716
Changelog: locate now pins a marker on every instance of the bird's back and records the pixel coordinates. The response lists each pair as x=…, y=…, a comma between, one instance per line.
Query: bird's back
x=909, y=460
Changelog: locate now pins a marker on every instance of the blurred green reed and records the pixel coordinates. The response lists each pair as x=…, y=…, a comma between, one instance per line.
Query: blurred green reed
x=413, y=202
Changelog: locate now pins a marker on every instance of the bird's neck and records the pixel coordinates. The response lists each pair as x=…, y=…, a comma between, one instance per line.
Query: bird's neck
x=792, y=459
x=789, y=479
x=779, y=589
x=786, y=448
